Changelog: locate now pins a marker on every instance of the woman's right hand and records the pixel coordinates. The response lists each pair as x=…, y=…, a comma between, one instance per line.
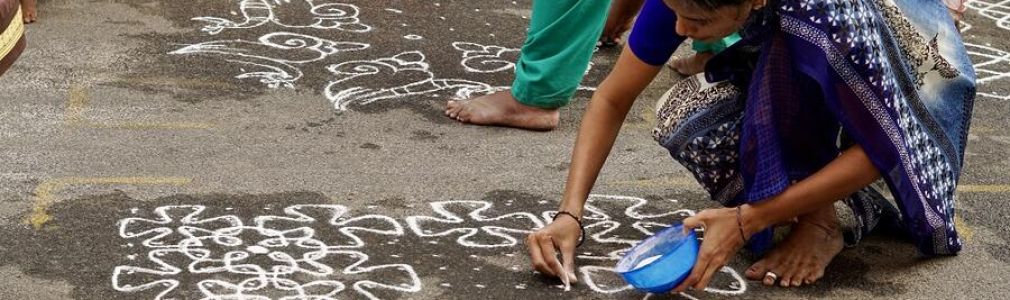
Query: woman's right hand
x=544, y=244
x=599, y=128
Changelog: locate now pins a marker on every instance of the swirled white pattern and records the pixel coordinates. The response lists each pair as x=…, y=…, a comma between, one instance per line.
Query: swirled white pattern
x=255, y=13
x=275, y=255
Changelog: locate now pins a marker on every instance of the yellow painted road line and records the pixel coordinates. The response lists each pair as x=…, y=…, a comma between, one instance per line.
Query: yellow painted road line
x=963, y=230
x=660, y=182
x=966, y=232
x=978, y=129
x=44, y=191
x=687, y=181
x=984, y=188
x=150, y=126
x=175, y=82
x=78, y=100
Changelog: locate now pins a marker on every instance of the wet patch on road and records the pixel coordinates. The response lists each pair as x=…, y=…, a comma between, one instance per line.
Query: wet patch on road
x=367, y=56
x=111, y=246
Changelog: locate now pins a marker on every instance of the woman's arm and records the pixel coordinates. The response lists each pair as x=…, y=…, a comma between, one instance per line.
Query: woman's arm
x=600, y=125
x=846, y=174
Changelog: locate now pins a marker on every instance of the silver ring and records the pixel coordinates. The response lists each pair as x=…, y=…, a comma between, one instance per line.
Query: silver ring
x=775, y=277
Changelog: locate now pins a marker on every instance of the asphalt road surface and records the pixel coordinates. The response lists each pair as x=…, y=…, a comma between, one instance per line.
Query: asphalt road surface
x=201, y=149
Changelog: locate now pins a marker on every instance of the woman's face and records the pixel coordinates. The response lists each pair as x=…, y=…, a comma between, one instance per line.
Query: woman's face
x=710, y=25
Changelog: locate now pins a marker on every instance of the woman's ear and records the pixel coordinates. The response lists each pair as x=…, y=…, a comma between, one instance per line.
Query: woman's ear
x=758, y=4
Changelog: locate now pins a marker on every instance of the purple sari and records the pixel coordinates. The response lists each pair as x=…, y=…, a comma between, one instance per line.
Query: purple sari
x=813, y=77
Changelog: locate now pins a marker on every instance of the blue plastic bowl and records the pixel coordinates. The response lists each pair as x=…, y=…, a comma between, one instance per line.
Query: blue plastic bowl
x=661, y=262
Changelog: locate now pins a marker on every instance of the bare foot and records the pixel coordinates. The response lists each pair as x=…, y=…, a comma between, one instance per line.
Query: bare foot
x=802, y=257
x=691, y=65
x=501, y=109
x=956, y=8
x=28, y=11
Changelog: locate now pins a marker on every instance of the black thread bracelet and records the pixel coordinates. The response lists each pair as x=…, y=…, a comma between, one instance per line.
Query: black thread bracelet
x=582, y=235
x=739, y=224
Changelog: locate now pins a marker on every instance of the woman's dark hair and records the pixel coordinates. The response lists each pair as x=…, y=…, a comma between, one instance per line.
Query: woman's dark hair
x=714, y=4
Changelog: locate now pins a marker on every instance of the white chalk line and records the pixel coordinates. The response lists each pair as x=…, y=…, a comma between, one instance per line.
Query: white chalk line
x=278, y=275
x=598, y=223
x=992, y=67
x=278, y=52
x=332, y=15
x=503, y=230
x=405, y=74
x=998, y=11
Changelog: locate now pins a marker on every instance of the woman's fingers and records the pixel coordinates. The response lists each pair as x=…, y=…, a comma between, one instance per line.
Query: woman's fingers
x=550, y=256
x=713, y=267
x=693, y=222
x=536, y=258
x=700, y=266
x=568, y=260
x=721, y=241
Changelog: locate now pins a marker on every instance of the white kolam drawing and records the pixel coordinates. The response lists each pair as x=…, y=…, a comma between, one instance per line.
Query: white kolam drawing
x=479, y=58
x=470, y=222
x=992, y=68
x=279, y=54
x=325, y=15
x=406, y=74
x=996, y=10
x=270, y=260
x=505, y=230
x=294, y=253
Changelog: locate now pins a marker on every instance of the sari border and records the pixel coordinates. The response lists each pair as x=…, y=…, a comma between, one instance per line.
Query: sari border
x=860, y=88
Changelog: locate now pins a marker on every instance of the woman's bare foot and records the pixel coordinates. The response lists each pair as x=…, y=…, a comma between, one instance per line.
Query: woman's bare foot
x=501, y=109
x=691, y=65
x=28, y=11
x=802, y=257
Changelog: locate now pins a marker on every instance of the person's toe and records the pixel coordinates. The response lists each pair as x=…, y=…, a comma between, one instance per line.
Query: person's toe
x=769, y=278
x=801, y=277
x=453, y=108
x=757, y=270
x=789, y=270
x=464, y=114
x=796, y=279
x=814, y=276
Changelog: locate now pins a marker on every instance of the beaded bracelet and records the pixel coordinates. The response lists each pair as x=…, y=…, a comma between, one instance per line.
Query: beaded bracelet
x=739, y=224
x=582, y=236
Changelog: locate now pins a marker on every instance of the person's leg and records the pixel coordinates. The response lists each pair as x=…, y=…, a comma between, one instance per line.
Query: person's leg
x=557, y=51
x=801, y=258
x=28, y=11
x=690, y=65
x=619, y=21
x=701, y=129
x=554, y=58
x=956, y=9
x=695, y=64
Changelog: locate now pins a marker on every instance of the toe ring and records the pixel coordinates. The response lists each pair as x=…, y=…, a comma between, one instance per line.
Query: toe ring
x=772, y=275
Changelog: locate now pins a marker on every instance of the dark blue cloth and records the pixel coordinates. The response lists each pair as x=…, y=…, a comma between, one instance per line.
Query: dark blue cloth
x=892, y=76
x=654, y=37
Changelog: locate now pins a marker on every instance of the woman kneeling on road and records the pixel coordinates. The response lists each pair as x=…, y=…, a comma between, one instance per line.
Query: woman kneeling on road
x=817, y=102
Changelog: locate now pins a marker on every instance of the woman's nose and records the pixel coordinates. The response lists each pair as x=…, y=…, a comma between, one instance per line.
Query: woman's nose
x=683, y=29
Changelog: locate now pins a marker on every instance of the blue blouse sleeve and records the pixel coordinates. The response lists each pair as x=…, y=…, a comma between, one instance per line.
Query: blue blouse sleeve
x=654, y=37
